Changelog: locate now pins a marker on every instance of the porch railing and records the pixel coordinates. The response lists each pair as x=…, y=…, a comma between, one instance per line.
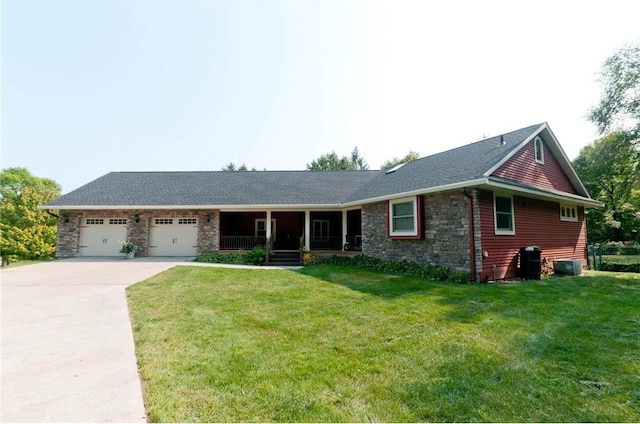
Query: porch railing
x=249, y=242
x=326, y=243
x=241, y=242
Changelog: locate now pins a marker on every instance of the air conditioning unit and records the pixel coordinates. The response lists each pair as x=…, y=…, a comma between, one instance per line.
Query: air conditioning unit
x=567, y=266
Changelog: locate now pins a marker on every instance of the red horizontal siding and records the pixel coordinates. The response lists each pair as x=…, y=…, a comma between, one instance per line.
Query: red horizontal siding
x=537, y=223
x=523, y=167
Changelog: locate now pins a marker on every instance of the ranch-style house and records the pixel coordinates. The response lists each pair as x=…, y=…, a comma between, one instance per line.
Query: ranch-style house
x=470, y=209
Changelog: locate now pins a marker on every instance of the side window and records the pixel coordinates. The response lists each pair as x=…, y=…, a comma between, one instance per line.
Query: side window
x=404, y=218
x=568, y=213
x=503, y=214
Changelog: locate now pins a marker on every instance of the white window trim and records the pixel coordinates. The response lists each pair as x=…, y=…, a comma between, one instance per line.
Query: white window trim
x=413, y=233
x=568, y=216
x=273, y=227
x=538, y=142
x=500, y=231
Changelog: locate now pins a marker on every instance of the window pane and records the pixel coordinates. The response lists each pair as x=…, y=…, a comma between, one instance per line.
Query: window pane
x=403, y=224
x=503, y=221
x=503, y=204
x=403, y=209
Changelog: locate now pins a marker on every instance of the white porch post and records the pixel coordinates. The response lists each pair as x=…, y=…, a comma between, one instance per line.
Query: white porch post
x=344, y=228
x=267, y=225
x=307, y=230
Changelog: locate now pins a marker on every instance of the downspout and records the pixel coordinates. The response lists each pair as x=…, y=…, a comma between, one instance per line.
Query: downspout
x=472, y=242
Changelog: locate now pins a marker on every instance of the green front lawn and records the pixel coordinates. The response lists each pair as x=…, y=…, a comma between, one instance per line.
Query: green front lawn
x=338, y=344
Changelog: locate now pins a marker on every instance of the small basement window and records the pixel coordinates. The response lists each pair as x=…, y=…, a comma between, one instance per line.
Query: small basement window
x=568, y=213
x=404, y=218
x=539, y=150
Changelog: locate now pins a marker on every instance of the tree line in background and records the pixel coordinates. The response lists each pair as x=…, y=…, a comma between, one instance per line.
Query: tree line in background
x=332, y=162
x=609, y=168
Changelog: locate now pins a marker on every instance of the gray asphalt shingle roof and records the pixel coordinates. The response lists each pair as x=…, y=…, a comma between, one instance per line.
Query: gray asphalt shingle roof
x=218, y=188
x=465, y=163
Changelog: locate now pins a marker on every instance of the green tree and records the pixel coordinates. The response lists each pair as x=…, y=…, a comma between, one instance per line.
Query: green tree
x=619, y=106
x=232, y=167
x=331, y=162
x=26, y=232
x=397, y=161
x=358, y=161
x=610, y=168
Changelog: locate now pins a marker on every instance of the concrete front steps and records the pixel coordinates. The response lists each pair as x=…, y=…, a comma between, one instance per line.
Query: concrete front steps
x=284, y=258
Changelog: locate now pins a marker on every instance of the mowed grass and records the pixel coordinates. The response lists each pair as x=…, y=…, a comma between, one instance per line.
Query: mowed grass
x=23, y=262
x=330, y=344
x=621, y=259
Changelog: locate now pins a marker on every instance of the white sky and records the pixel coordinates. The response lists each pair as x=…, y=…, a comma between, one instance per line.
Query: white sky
x=90, y=87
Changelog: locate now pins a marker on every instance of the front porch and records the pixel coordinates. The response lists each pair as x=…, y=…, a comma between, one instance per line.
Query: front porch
x=316, y=230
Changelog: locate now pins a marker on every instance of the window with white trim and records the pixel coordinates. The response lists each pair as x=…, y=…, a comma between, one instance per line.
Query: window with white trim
x=568, y=213
x=261, y=228
x=403, y=217
x=503, y=214
x=539, y=150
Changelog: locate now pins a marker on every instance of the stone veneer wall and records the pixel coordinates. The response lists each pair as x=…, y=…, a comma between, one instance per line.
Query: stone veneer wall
x=209, y=231
x=446, y=233
x=68, y=238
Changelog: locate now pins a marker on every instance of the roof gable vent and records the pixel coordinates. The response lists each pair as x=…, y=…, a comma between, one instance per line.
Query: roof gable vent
x=395, y=168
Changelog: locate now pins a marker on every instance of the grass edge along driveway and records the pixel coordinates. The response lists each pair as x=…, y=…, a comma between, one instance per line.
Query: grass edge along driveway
x=335, y=344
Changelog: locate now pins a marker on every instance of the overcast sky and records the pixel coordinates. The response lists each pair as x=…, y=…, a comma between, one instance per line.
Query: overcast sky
x=90, y=87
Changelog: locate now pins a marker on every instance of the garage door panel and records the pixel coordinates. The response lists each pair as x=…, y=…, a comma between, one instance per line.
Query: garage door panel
x=173, y=237
x=102, y=236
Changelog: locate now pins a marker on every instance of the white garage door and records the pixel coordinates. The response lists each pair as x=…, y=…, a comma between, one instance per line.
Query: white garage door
x=102, y=236
x=173, y=237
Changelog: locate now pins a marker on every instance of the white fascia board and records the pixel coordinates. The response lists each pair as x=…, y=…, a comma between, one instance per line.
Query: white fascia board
x=225, y=208
x=514, y=151
x=274, y=208
x=565, y=164
x=447, y=187
x=566, y=197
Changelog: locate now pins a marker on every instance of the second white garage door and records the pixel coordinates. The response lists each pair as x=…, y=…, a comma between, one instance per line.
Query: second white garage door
x=173, y=237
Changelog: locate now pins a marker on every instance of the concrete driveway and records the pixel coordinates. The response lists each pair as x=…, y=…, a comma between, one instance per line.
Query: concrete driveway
x=67, y=346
